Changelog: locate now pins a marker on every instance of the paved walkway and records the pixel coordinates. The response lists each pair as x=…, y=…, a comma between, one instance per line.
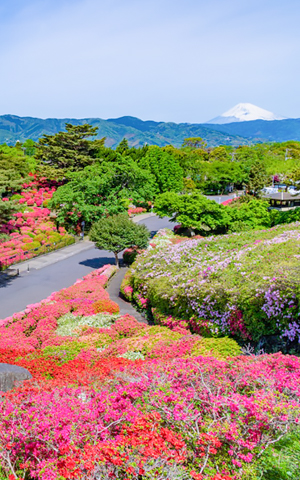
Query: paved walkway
x=113, y=289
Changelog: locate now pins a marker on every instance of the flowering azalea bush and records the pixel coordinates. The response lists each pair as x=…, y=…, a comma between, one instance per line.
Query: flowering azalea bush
x=130, y=254
x=36, y=326
x=31, y=230
x=198, y=418
x=136, y=211
x=242, y=285
x=112, y=398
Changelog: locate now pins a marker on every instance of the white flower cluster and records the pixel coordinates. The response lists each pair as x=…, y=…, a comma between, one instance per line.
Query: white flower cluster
x=69, y=324
x=133, y=356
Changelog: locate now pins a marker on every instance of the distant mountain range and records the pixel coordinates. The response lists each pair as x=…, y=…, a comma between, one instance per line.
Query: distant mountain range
x=139, y=132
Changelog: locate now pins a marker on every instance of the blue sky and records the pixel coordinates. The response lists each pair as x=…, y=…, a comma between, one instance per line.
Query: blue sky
x=163, y=60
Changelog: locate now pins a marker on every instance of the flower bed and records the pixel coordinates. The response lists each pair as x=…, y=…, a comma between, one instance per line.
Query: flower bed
x=243, y=285
x=112, y=398
x=136, y=211
x=31, y=231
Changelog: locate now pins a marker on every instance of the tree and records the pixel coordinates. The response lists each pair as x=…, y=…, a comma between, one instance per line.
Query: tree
x=190, y=160
x=258, y=178
x=123, y=147
x=220, y=174
x=10, y=181
x=117, y=233
x=29, y=147
x=6, y=211
x=193, y=211
x=219, y=154
x=14, y=169
x=194, y=142
x=69, y=149
x=248, y=213
x=13, y=158
x=165, y=168
x=100, y=190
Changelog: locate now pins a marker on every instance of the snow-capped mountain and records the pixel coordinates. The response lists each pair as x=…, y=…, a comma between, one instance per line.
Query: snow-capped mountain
x=245, y=112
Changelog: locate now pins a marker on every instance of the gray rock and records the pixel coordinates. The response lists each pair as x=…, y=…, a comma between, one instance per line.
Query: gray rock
x=12, y=375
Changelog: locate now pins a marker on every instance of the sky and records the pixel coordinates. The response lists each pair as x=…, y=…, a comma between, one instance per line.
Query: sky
x=163, y=60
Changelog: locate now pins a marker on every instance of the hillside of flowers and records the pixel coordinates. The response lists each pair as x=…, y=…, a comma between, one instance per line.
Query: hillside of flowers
x=31, y=231
x=242, y=285
x=113, y=398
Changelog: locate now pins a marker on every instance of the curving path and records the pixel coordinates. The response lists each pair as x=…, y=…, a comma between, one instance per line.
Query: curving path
x=33, y=286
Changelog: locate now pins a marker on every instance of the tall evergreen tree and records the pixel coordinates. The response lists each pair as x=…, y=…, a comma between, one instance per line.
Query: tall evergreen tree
x=70, y=149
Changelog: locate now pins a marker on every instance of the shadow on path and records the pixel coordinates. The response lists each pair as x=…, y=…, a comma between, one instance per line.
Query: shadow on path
x=6, y=279
x=97, y=262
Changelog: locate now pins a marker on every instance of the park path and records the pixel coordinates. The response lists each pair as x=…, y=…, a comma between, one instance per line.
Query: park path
x=113, y=289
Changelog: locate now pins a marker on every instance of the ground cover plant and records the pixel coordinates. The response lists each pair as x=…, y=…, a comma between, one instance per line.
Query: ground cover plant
x=243, y=285
x=114, y=398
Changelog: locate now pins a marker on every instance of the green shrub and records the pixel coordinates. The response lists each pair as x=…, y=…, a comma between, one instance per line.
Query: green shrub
x=16, y=196
x=39, y=237
x=130, y=254
x=30, y=246
x=54, y=238
x=281, y=461
x=66, y=352
x=216, y=347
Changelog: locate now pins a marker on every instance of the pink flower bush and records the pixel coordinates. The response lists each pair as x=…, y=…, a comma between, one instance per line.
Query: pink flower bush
x=32, y=229
x=35, y=327
x=93, y=411
x=136, y=211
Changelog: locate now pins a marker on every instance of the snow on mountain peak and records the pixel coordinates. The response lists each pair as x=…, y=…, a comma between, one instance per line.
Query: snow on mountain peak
x=245, y=112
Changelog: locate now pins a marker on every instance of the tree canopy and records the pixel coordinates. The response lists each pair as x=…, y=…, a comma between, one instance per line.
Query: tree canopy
x=193, y=211
x=118, y=232
x=70, y=149
x=100, y=190
x=165, y=168
x=6, y=211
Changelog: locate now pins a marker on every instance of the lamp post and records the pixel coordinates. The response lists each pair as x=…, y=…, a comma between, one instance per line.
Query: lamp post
x=82, y=229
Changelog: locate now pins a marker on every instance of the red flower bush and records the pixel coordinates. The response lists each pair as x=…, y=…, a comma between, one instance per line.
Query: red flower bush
x=105, y=305
x=88, y=412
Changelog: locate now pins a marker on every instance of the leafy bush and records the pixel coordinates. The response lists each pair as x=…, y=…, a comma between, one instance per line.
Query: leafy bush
x=66, y=352
x=126, y=288
x=243, y=285
x=281, y=461
x=30, y=246
x=130, y=254
x=216, y=347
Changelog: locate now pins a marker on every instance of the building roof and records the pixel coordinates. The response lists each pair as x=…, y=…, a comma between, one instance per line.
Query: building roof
x=282, y=196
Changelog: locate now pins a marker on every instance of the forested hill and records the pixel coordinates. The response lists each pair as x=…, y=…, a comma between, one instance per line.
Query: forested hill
x=262, y=130
x=137, y=132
